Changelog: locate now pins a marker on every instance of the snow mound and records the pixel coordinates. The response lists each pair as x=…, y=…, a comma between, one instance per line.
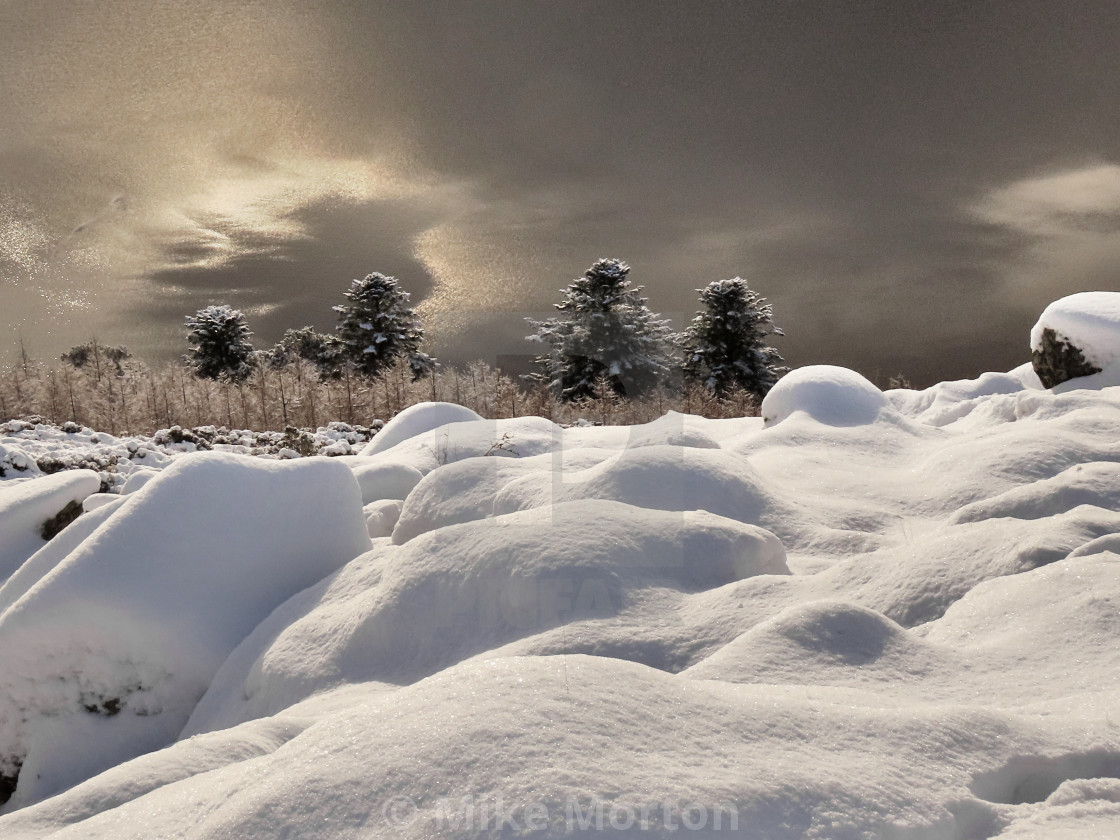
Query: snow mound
x=26, y=507
x=416, y=420
x=823, y=642
x=657, y=477
x=137, y=479
x=1096, y=484
x=1089, y=321
x=403, y=612
x=519, y=437
x=381, y=517
x=105, y=655
x=384, y=480
x=15, y=463
x=462, y=491
x=834, y=396
x=671, y=429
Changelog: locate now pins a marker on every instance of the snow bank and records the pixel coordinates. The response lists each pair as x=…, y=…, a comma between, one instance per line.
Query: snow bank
x=26, y=507
x=105, y=655
x=416, y=420
x=834, y=396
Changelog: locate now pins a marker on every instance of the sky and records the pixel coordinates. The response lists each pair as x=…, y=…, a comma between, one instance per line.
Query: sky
x=908, y=183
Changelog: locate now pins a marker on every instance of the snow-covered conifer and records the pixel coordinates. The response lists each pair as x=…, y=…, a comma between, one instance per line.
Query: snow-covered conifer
x=377, y=327
x=726, y=342
x=220, y=344
x=323, y=350
x=607, y=330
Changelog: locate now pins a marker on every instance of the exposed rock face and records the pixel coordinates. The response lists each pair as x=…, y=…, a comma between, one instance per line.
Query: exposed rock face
x=8, y=782
x=1058, y=360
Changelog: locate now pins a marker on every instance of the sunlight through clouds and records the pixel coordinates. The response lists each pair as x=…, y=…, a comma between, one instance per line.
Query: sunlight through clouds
x=1071, y=221
x=1072, y=202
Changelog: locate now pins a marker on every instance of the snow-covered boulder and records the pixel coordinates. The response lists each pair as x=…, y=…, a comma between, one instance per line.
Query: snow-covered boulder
x=1076, y=336
x=416, y=420
x=26, y=507
x=381, y=517
x=834, y=396
x=516, y=437
x=104, y=657
x=384, y=480
x=15, y=463
x=137, y=479
x=54, y=552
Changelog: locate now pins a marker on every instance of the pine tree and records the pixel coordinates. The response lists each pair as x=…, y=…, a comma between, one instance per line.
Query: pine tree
x=607, y=331
x=220, y=344
x=377, y=327
x=323, y=350
x=726, y=342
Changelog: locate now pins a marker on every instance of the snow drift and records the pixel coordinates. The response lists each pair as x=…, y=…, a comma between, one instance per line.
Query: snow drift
x=864, y=615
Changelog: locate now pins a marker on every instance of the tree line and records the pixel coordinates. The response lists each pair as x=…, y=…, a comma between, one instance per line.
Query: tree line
x=605, y=357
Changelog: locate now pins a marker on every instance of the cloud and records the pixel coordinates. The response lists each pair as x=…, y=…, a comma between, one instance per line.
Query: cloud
x=1069, y=225
x=1070, y=203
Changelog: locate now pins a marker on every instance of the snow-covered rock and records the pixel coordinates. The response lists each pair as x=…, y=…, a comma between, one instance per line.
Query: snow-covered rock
x=1077, y=336
x=381, y=517
x=104, y=656
x=834, y=396
x=384, y=479
x=416, y=420
x=25, y=508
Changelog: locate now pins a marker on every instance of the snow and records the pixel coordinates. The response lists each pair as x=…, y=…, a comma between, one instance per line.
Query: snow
x=25, y=507
x=384, y=480
x=33, y=449
x=106, y=652
x=382, y=516
x=864, y=615
x=831, y=395
x=1089, y=321
x=416, y=420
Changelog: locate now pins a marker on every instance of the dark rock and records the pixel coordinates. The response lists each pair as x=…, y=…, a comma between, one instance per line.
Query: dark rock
x=8, y=783
x=60, y=520
x=1059, y=361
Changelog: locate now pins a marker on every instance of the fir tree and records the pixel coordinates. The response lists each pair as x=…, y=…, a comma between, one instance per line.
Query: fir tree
x=323, y=350
x=607, y=333
x=220, y=344
x=377, y=327
x=726, y=342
